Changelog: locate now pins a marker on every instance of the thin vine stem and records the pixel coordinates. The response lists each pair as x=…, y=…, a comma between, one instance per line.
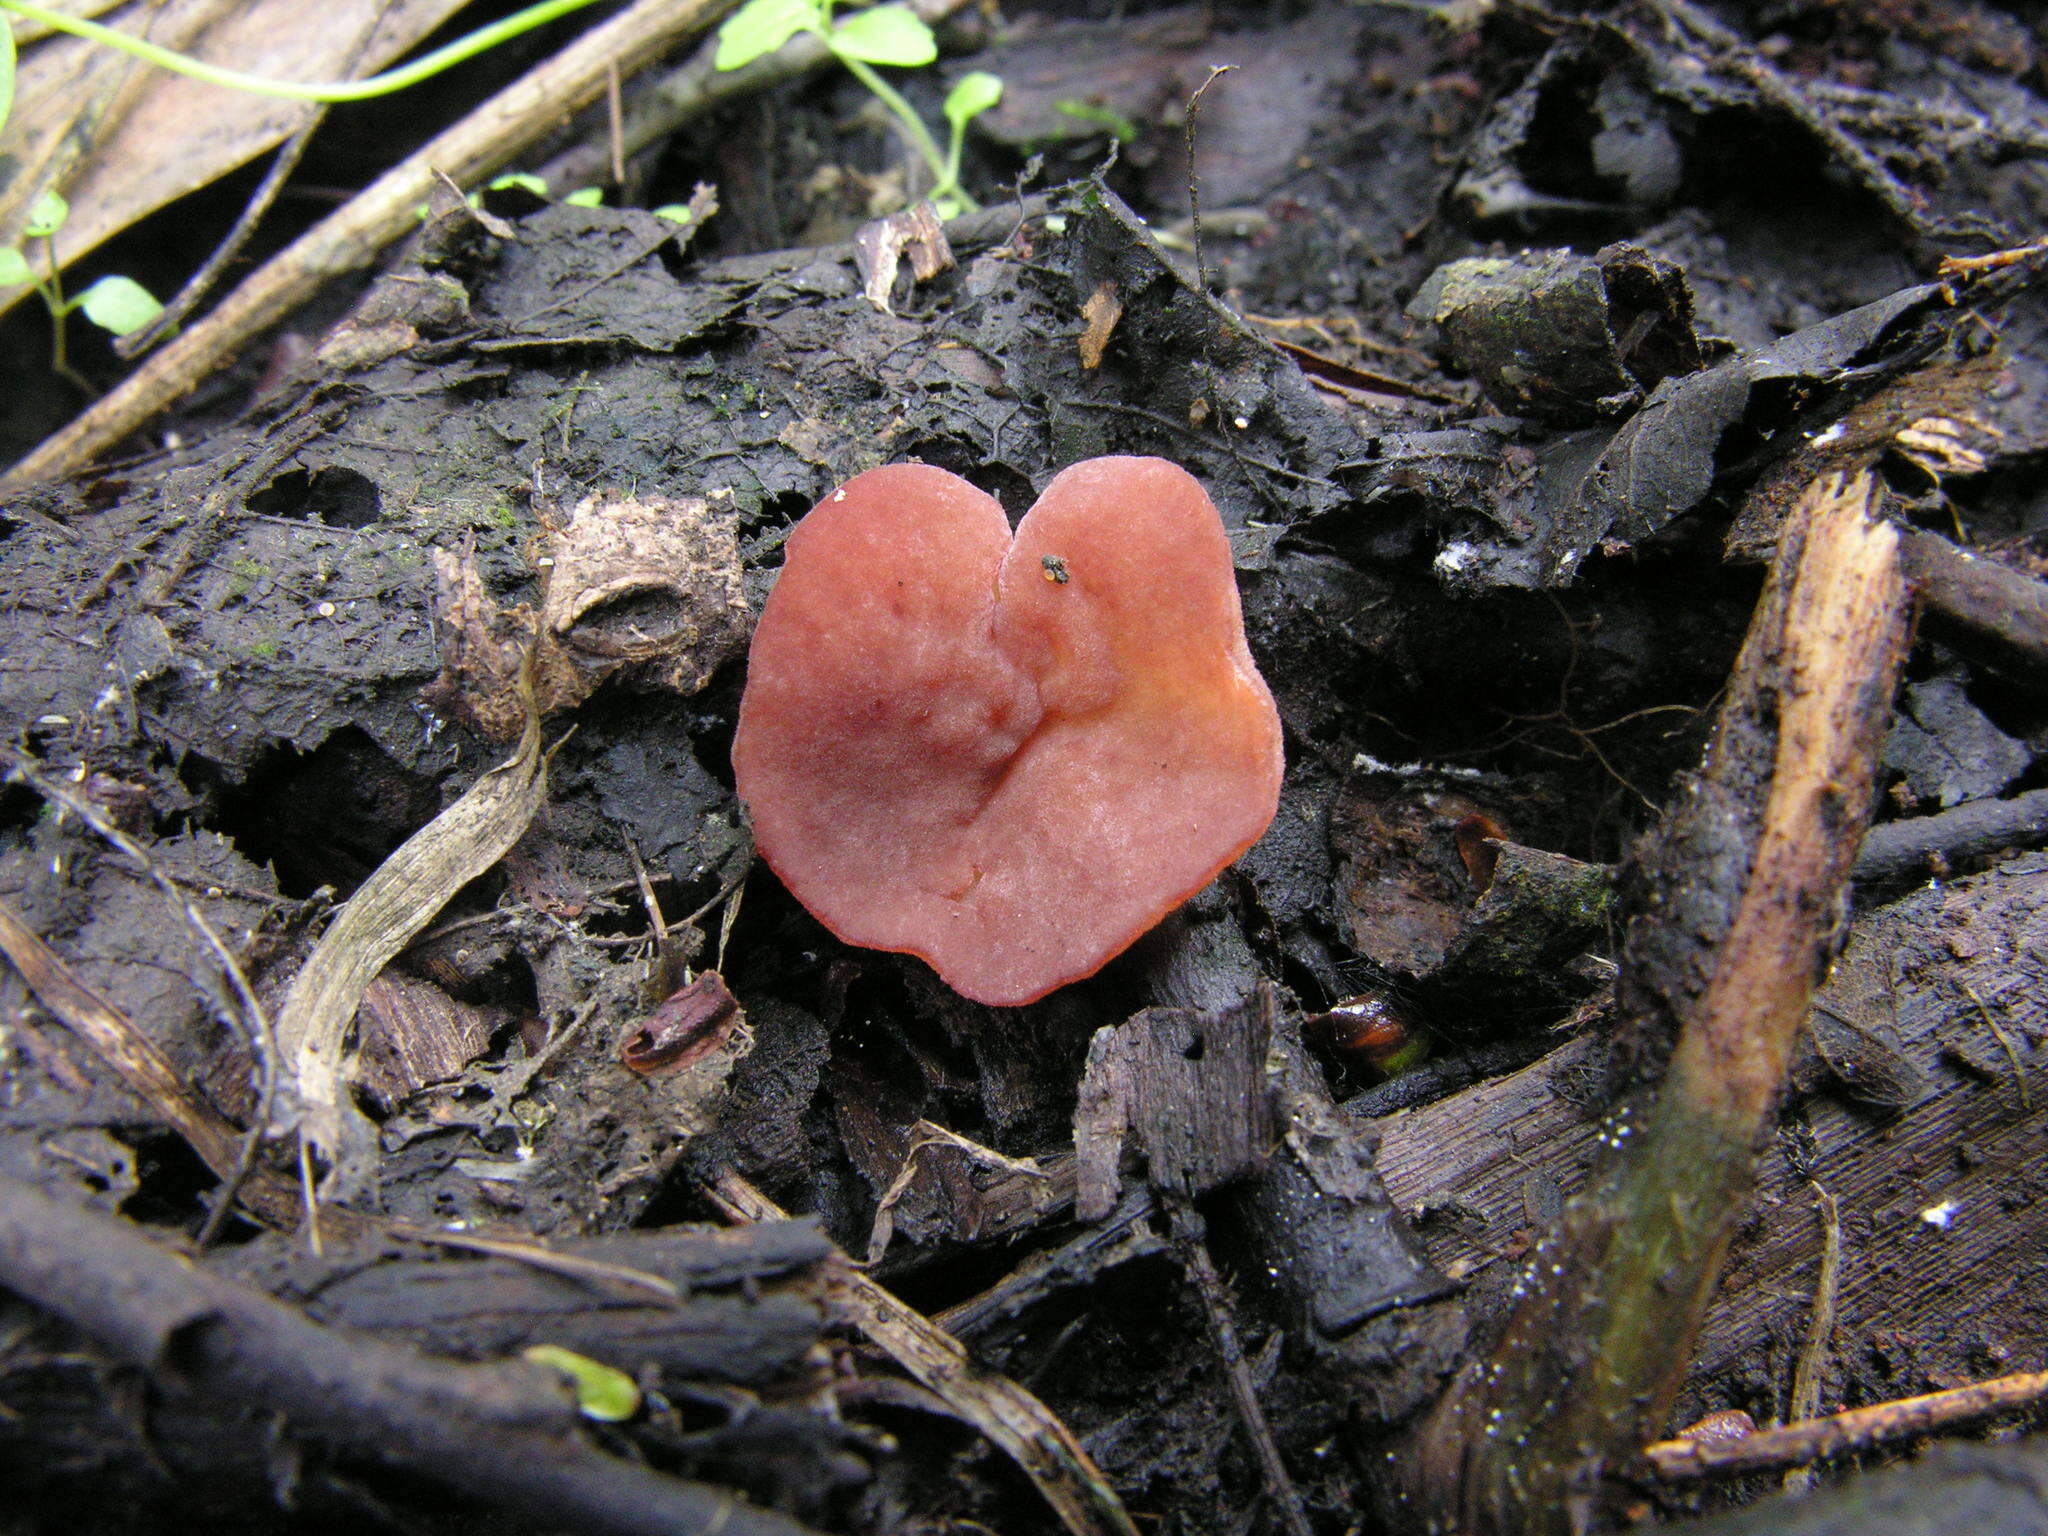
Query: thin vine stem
x=463, y=48
x=920, y=136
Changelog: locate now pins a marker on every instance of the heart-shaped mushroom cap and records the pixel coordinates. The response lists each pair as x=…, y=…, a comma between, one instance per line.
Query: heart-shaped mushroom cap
x=1010, y=757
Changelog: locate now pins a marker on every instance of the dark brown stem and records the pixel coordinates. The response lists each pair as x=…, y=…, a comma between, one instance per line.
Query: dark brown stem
x=1730, y=912
x=1986, y=609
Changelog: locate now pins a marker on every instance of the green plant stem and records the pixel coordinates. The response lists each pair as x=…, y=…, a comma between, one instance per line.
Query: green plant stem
x=419, y=69
x=951, y=180
x=920, y=136
x=52, y=290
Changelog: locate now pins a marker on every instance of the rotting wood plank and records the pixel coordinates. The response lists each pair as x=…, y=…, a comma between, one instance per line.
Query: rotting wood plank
x=1943, y=1227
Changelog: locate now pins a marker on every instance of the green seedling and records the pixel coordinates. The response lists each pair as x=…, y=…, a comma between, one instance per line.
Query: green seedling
x=602, y=1393
x=526, y=181
x=113, y=303
x=891, y=34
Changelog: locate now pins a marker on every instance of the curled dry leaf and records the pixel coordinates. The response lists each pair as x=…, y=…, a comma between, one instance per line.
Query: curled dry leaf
x=689, y=1025
x=879, y=249
x=645, y=588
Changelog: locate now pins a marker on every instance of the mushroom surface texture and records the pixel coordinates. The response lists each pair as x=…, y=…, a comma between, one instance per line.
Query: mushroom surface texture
x=1008, y=756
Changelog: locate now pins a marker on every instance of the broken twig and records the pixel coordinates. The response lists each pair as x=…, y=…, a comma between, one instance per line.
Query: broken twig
x=1854, y=1429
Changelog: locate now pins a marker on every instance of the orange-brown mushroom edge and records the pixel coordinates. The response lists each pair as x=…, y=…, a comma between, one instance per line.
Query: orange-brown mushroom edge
x=1009, y=757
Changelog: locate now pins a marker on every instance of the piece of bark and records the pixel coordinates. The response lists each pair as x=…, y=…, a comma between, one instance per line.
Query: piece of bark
x=743, y=1306
x=1920, y=1304
x=1333, y=1239
x=1339, y=1256
x=1336, y=1255
x=1186, y=1088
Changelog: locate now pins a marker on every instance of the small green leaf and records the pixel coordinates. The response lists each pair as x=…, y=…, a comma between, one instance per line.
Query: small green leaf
x=14, y=270
x=586, y=197
x=525, y=181
x=885, y=34
x=675, y=213
x=601, y=1392
x=761, y=26
x=46, y=215
x=976, y=92
x=119, y=304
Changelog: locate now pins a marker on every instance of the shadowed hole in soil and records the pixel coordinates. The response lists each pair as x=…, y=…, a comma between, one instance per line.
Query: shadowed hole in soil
x=327, y=817
x=778, y=510
x=20, y=806
x=340, y=498
x=970, y=462
x=170, y=1179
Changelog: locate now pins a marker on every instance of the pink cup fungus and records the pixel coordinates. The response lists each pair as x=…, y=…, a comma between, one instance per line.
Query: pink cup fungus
x=1007, y=756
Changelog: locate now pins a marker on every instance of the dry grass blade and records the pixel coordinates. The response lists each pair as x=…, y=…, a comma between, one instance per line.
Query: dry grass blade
x=386, y=913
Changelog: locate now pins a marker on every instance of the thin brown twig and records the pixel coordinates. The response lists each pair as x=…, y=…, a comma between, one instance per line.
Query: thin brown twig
x=354, y=235
x=1189, y=1238
x=1820, y=1327
x=1854, y=1429
x=1216, y=73
x=615, y=125
x=282, y=164
x=598, y=1273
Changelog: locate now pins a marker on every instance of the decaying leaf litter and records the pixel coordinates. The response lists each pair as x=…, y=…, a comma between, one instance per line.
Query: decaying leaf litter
x=1519, y=346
